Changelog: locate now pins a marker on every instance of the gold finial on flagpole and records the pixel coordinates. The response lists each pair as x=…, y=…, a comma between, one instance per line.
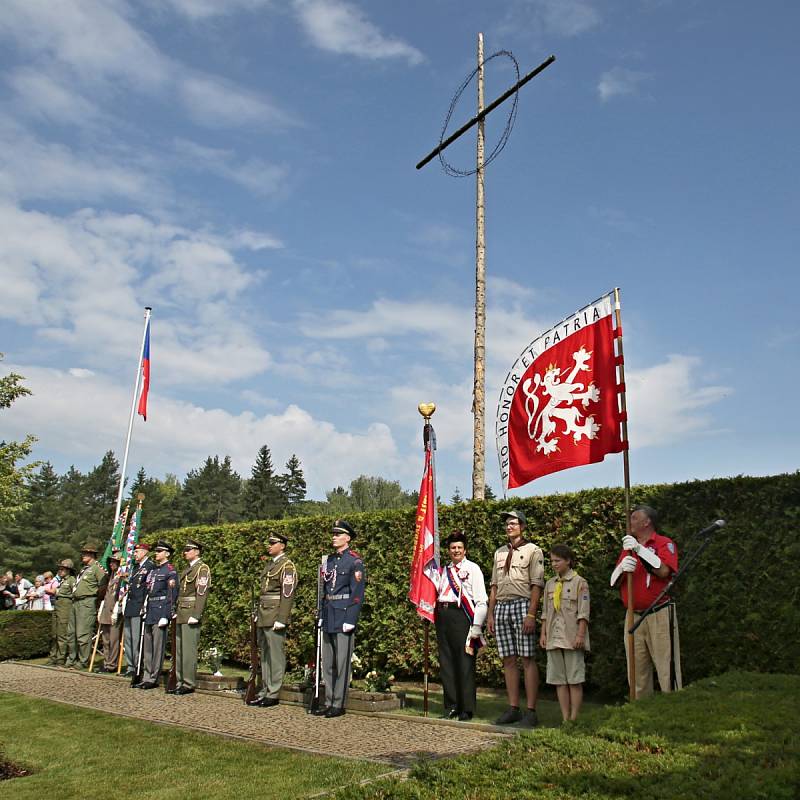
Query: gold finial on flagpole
x=426, y=409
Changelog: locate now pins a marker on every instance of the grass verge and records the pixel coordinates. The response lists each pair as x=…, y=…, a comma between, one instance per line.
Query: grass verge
x=73, y=752
x=734, y=736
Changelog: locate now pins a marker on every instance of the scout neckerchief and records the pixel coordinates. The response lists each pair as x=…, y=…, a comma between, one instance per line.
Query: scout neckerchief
x=557, y=593
x=511, y=549
x=458, y=591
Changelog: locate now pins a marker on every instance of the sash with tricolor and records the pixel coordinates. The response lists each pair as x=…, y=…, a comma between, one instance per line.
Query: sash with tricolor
x=474, y=643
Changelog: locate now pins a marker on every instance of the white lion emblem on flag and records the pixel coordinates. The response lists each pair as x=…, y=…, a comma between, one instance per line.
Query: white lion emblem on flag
x=560, y=405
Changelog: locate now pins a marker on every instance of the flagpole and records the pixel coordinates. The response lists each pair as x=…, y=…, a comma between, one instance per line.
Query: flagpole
x=627, y=475
x=147, y=312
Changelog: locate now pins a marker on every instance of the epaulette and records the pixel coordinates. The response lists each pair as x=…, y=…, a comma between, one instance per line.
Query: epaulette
x=357, y=555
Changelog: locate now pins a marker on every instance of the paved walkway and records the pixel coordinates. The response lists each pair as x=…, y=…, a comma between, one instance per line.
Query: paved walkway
x=394, y=741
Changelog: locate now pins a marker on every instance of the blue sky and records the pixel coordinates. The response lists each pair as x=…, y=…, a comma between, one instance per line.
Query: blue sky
x=246, y=167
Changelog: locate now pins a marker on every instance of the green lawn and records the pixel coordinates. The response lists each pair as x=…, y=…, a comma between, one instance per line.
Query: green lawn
x=734, y=737
x=77, y=753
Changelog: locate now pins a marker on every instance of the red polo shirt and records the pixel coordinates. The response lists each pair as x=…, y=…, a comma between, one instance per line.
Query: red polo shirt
x=644, y=590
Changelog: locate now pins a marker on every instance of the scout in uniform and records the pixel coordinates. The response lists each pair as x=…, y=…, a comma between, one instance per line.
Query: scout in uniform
x=109, y=618
x=343, y=577
x=134, y=601
x=516, y=586
x=565, y=630
x=278, y=586
x=61, y=612
x=162, y=597
x=195, y=582
x=652, y=559
x=461, y=607
x=89, y=584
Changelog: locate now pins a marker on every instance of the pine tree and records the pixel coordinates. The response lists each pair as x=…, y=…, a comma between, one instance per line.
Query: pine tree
x=72, y=508
x=101, y=486
x=488, y=494
x=264, y=495
x=212, y=494
x=293, y=482
x=456, y=499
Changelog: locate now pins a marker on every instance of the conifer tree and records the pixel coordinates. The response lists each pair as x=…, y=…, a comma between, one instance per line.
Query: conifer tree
x=264, y=496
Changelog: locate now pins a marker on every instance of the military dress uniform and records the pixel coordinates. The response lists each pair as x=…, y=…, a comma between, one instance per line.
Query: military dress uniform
x=61, y=614
x=90, y=582
x=278, y=586
x=134, y=603
x=344, y=578
x=195, y=582
x=162, y=597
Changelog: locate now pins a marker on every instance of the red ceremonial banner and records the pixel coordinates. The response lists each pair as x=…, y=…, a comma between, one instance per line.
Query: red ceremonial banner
x=425, y=564
x=559, y=406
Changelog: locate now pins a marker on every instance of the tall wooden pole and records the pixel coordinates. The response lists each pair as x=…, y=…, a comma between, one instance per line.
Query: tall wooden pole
x=479, y=388
x=627, y=476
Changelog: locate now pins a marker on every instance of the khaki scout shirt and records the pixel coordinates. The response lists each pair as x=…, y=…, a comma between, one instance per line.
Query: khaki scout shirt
x=195, y=581
x=66, y=588
x=526, y=571
x=89, y=581
x=278, y=584
x=562, y=625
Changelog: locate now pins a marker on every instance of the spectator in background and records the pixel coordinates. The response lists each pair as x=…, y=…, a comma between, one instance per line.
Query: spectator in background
x=23, y=587
x=35, y=596
x=8, y=593
x=50, y=589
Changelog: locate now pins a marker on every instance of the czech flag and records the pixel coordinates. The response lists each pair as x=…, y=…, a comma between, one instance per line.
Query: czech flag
x=145, y=373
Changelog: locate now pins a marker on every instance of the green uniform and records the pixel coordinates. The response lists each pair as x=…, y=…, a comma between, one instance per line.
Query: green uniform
x=83, y=615
x=60, y=623
x=195, y=582
x=278, y=584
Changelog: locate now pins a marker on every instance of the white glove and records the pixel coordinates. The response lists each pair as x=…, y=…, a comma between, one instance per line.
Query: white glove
x=628, y=564
x=193, y=621
x=278, y=626
x=319, y=622
x=474, y=631
x=347, y=627
x=630, y=543
x=115, y=614
x=163, y=622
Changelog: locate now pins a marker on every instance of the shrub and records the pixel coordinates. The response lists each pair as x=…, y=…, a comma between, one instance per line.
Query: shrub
x=24, y=634
x=737, y=608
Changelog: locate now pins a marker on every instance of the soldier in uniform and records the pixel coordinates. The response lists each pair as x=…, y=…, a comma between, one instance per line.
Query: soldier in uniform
x=344, y=577
x=195, y=582
x=278, y=585
x=109, y=618
x=89, y=584
x=162, y=597
x=134, y=601
x=61, y=612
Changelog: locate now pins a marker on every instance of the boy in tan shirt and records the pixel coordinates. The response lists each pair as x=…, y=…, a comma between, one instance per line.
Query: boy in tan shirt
x=565, y=630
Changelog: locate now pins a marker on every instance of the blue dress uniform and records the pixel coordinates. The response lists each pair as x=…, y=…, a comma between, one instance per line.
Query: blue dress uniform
x=136, y=591
x=344, y=578
x=162, y=598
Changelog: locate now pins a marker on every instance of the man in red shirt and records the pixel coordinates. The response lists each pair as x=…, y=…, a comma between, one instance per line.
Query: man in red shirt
x=652, y=559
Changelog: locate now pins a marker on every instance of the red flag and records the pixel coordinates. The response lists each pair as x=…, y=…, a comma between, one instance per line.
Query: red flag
x=559, y=405
x=145, y=373
x=425, y=565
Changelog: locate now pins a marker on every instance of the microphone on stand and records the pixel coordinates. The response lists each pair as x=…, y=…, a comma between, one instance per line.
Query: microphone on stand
x=712, y=528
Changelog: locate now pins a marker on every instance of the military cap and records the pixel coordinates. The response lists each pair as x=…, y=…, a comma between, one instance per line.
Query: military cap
x=90, y=546
x=161, y=544
x=67, y=564
x=456, y=536
x=340, y=526
x=141, y=546
x=191, y=544
x=513, y=514
x=116, y=555
x=274, y=538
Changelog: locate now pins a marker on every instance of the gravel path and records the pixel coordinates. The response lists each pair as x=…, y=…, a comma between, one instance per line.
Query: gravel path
x=394, y=741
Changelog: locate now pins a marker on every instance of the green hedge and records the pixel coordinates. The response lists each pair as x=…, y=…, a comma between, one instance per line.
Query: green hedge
x=738, y=608
x=24, y=634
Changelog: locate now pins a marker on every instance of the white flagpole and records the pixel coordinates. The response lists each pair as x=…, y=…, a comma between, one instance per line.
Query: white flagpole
x=147, y=312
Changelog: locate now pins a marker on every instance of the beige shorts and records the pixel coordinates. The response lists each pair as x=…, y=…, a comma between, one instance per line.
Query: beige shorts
x=565, y=666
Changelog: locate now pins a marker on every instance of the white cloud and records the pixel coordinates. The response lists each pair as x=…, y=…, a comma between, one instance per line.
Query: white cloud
x=206, y=9
x=46, y=96
x=620, y=81
x=80, y=280
x=76, y=418
x=342, y=28
x=549, y=18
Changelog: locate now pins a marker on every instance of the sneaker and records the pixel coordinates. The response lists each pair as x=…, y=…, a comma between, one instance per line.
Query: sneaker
x=509, y=717
x=529, y=719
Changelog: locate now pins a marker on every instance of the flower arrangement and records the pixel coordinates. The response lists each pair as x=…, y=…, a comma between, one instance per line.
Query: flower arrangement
x=378, y=681
x=213, y=657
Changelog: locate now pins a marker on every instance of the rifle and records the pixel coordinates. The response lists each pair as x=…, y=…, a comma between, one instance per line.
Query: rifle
x=314, y=705
x=172, y=679
x=252, y=678
x=137, y=676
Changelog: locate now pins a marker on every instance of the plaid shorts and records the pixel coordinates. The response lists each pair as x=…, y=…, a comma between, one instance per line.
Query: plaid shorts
x=508, y=617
